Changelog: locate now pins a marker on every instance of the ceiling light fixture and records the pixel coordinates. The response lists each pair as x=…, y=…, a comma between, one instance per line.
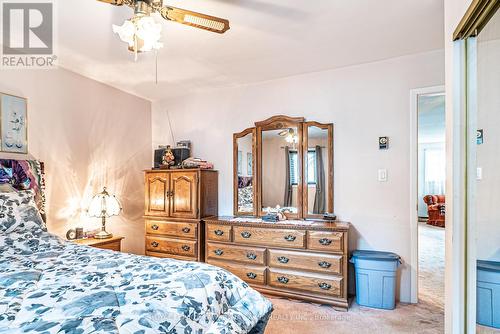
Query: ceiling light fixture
x=141, y=33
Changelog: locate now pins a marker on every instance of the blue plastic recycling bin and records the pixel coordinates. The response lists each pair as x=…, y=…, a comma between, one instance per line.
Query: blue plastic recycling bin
x=376, y=274
x=488, y=293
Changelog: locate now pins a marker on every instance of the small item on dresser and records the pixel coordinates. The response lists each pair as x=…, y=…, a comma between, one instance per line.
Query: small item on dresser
x=329, y=216
x=158, y=154
x=277, y=211
x=90, y=234
x=184, y=144
x=180, y=154
x=71, y=234
x=168, y=158
x=197, y=163
x=271, y=217
x=79, y=232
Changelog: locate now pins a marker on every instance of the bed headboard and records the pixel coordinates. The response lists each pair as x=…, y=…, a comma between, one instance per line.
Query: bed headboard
x=23, y=175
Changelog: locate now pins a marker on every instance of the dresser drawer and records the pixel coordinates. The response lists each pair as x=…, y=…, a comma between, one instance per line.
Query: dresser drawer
x=325, y=263
x=325, y=241
x=269, y=237
x=170, y=256
x=175, y=229
x=219, y=232
x=250, y=274
x=171, y=246
x=250, y=255
x=313, y=283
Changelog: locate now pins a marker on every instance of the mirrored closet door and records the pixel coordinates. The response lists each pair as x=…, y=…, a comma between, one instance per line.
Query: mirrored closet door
x=486, y=204
x=482, y=45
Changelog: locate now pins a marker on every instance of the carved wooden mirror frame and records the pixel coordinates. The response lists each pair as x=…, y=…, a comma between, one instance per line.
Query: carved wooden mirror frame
x=255, y=187
x=276, y=123
x=329, y=187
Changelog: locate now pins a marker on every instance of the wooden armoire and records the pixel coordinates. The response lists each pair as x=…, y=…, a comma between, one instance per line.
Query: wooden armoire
x=176, y=201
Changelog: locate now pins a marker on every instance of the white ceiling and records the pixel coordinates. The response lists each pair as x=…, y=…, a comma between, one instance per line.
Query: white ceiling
x=268, y=39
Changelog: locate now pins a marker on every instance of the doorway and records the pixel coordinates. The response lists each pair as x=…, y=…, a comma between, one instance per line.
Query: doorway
x=428, y=198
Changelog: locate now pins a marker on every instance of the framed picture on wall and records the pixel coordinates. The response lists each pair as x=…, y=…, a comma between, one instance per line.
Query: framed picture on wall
x=249, y=164
x=13, y=123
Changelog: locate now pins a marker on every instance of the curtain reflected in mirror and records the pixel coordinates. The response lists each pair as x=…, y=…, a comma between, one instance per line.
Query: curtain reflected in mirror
x=280, y=175
x=316, y=170
x=245, y=181
x=486, y=204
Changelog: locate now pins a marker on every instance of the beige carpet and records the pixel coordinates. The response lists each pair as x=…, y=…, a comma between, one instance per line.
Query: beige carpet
x=290, y=317
x=431, y=265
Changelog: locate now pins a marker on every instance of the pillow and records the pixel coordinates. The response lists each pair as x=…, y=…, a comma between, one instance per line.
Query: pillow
x=18, y=212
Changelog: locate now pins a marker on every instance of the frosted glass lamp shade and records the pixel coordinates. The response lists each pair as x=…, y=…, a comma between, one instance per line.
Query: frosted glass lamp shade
x=104, y=205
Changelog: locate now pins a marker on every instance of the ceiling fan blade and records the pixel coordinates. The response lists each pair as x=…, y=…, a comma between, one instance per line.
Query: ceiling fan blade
x=113, y=2
x=193, y=19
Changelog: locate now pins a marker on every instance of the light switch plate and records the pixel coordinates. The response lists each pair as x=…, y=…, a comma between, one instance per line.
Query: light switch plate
x=382, y=175
x=479, y=173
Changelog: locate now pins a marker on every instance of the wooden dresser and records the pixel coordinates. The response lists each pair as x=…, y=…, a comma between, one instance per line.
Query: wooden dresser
x=297, y=259
x=175, y=203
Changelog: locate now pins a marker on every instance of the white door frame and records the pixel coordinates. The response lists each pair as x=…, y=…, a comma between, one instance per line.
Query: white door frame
x=414, y=94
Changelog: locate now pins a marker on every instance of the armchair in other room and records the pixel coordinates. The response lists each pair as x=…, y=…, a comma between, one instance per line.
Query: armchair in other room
x=436, y=209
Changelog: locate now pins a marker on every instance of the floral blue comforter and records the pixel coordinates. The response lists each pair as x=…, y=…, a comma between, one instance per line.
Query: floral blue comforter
x=48, y=285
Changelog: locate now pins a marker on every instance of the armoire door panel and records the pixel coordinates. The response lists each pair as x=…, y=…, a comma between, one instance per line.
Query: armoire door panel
x=184, y=194
x=157, y=189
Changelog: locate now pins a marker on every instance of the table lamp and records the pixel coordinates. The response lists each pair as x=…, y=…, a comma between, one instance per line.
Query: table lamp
x=104, y=205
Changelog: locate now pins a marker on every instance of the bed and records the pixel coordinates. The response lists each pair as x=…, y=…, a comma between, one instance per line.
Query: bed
x=49, y=285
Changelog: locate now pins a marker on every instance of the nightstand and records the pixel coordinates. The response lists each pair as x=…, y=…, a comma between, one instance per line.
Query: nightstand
x=113, y=243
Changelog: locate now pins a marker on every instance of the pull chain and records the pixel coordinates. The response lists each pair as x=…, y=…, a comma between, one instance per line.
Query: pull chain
x=156, y=52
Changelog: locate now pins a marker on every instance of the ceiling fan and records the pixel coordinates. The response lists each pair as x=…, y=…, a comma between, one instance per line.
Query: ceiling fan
x=142, y=33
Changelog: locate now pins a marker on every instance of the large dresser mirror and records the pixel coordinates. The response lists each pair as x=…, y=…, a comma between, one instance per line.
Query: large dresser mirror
x=286, y=162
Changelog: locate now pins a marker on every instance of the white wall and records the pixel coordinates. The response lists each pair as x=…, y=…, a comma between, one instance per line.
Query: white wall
x=89, y=135
x=364, y=102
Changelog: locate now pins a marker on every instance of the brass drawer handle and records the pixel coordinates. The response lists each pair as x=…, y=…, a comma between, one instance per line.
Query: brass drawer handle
x=186, y=229
x=252, y=275
x=246, y=234
x=290, y=238
x=155, y=244
x=219, y=232
x=325, y=241
x=283, y=280
x=324, y=264
x=186, y=248
x=251, y=256
x=324, y=286
x=218, y=252
x=283, y=259
x=155, y=227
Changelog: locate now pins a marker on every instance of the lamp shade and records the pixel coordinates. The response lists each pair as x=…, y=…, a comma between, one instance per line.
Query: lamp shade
x=104, y=205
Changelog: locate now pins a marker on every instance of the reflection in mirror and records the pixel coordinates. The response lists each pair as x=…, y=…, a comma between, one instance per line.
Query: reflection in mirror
x=280, y=174
x=485, y=203
x=245, y=174
x=316, y=170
